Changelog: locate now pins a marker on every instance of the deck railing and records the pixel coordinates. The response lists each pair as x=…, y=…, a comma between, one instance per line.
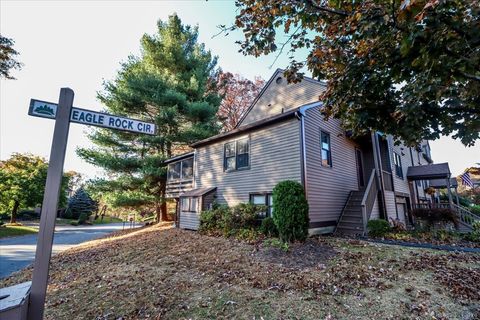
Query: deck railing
x=176, y=187
x=368, y=201
x=465, y=215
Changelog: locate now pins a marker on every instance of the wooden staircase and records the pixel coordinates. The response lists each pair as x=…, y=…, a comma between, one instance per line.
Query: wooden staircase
x=351, y=221
x=358, y=208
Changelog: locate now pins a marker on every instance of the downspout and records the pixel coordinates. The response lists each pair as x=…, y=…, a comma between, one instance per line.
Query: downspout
x=303, y=153
x=415, y=181
x=378, y=168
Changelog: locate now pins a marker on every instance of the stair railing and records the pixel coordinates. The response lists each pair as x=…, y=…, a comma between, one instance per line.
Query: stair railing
x=465, y=215
x=343, y=212
x=368, y=201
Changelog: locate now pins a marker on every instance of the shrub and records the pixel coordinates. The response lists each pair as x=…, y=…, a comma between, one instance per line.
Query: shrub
x=268, y=227
x=476, y=226
x=249, y=235
x=475, y=209
x=378, y=228
x=474, y=236
x=290, y=209
x=83, y=218
x=229, y=221
x=243, y=215
x=435, y=215
x=276, y=243
x=211, y=220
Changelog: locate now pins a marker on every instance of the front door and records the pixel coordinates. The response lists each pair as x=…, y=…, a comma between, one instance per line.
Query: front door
x=361, y=179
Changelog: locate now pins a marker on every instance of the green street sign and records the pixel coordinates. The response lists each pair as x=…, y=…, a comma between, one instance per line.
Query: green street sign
x=42, y=109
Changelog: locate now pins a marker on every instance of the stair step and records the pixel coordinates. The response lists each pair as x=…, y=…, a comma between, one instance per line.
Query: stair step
x=354, y=211
x=353, y=224
x=355, y=219
x=350, y=207
x=356, y=215
x=355, y=203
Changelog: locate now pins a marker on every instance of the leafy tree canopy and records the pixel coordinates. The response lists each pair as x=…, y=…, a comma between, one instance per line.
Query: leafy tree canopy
x=7, y=57
x=172, y=83
x=22, y=183
x=408, y=68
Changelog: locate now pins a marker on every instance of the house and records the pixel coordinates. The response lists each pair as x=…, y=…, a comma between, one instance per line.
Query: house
x=283, y=136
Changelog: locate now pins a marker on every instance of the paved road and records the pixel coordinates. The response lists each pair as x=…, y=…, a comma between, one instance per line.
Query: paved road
x=18, y=252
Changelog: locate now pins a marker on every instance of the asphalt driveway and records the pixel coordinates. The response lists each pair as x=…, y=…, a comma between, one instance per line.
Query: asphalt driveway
x=18, y=252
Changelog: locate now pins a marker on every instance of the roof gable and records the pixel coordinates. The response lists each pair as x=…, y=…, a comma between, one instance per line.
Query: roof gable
x=278, y=96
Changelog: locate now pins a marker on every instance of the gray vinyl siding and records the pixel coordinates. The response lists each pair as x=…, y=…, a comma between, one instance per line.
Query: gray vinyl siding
x=282, y=97
x=328, y=187
x=400, y=184
x=375, y=211
x=189, y=220
x=274, y=157
x=390, y=205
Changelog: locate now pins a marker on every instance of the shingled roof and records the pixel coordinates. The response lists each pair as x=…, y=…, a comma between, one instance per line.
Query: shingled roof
x=429, y=172
x=197, y=192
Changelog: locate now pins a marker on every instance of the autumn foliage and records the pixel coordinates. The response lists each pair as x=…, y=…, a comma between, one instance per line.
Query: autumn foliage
x=238, y=94
x=407, y=68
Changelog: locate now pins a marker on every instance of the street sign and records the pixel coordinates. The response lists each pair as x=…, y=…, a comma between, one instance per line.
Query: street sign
x=48, y=110
x=63, y=113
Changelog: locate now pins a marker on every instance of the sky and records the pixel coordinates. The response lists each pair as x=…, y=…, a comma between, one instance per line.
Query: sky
x=81, y=44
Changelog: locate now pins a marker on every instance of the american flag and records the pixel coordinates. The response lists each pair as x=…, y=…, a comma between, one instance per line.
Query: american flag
x=466, y=181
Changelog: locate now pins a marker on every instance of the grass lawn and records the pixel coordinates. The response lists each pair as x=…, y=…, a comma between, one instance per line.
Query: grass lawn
x=11, y=231
x=163, y=273
x=107, y=219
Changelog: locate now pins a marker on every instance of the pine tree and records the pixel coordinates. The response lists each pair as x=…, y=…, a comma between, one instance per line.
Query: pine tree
x=172, y=84
x=80, y=203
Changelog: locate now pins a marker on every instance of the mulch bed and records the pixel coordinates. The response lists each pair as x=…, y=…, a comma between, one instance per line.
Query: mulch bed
x=313, y=253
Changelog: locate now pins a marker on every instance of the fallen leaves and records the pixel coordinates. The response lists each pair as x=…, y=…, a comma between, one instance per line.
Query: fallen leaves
x=164, y=273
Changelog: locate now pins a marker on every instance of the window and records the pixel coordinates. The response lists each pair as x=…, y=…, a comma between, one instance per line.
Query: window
x=397, y=160
x=326, y=149
x=236, y=155
x=180, y=170
x=189, y=204
x=185, y=204
x=187, y=168
x=263, y=199
x=174, y=170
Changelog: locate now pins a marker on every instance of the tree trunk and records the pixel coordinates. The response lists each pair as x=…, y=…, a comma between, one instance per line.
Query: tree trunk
x=164, y=211
x=13, y=219
x=158, y=212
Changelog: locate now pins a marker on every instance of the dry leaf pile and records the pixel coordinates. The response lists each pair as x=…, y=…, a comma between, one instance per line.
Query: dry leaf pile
x=164, y=273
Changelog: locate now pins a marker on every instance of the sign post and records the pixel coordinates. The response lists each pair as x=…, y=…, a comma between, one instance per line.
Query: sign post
x=49, y=205
x=63, y=113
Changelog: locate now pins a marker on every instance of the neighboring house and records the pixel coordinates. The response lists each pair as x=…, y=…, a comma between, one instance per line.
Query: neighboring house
x=283, y=136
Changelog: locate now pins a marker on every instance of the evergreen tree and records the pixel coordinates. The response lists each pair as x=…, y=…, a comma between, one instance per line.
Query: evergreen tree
x=172, y=84
x=80, y=203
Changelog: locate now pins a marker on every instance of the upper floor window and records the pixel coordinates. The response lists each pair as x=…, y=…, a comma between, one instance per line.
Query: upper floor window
x=181, y=170
x=326, y=149
x=236, y=154
x=397, y=161
x=187, y=168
